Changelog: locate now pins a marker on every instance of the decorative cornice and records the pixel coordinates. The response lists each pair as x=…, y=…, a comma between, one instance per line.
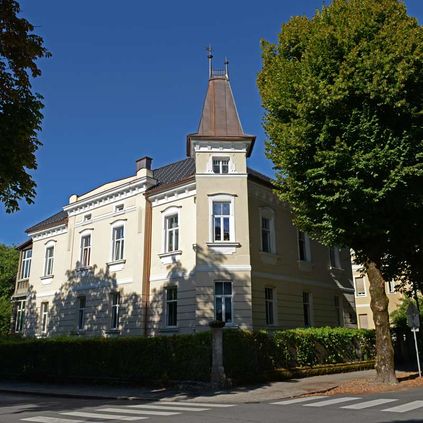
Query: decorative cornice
x=173, y=194
x=111, y=195
x=47, y=233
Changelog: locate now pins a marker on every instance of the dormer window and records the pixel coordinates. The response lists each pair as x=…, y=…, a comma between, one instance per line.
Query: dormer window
x=221, y=165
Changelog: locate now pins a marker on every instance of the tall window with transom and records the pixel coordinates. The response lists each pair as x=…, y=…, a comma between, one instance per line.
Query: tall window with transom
x=221, y=165
x=171, y=233
x=85, y=250
x=223, y=301
x=171, y=306
x=118, y=243
x=26, y=263
x=221, y=221
x=49, y=261
x=269, y=302
x=115, y=300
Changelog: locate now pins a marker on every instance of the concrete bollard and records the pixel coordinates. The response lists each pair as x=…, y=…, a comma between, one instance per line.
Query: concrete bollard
x=218, y=378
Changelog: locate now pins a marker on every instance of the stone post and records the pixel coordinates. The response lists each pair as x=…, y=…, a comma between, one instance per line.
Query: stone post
x=218, y=378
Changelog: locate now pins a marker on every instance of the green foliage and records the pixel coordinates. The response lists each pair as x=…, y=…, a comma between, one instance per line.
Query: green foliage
x=399, y=315
x=248, y=356
x=20, y=109
x=9, y=258
x=343, y=94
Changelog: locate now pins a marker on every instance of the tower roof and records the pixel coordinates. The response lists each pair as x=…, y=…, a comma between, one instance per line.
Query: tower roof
x=219, y=118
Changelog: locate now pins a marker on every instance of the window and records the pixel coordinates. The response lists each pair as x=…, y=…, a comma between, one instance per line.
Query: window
x=87, y=217
x=221, y=221
x=266, y=241
x=118, y=243
x=115, y=302
x=269, y=303
x=49, y=261
x=363, y=321
x=307, y=309
x=360, y=288
x=339, y=311
x=20, y=316
x=85, y=250
x=391, y=287
x=171, y=306
x=119, y=208
x=304, y=246
x=81, y=312
x=223, y=301
x=335, y=259
x=26, y=263
x=221, y=165
x=171, y=233
x=44, y=317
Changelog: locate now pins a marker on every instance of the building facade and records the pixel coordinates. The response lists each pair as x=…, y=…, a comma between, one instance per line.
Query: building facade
x=168, y=250
x=362, y=298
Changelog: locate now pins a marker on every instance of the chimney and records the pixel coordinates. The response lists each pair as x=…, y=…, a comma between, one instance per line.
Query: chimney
x=144, y=163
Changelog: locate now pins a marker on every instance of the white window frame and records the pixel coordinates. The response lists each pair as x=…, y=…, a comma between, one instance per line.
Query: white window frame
x=81, y=312
x=223, y=296
x=270, y=306
x=269, y=214
x=357, y=294
x=20, y=316
x=83, y=248
x=26, y=263
x=44, y=316
x=307, y=247
x=335, y=254
x=391, y=287
x=115, y=299
x=220, y=163
x=115, y=226
x=360, y=321
x=49, y=260
x=310, y=309
x=168, y=302
x=222, y=198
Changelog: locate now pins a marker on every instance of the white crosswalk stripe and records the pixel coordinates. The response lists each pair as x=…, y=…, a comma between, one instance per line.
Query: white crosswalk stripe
x=102, y=416
x=172, y=408
x=196, y=404
x=331, y=402
x=298, y=400
x=140, y=411
x=368, y=404
x=413, y=405
x=45, y=419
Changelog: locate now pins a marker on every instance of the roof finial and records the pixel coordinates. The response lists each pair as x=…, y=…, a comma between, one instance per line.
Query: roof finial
x=210, y=57
x=226, y=67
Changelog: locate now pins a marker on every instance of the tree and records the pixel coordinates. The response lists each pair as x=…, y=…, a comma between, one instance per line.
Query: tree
x=399, y=315
x=20, y=109
x=343, y=94
x=9, y=258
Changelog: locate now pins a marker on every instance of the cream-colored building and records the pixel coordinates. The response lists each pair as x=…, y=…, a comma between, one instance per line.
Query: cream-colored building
x=362, y=298
x=168, y=250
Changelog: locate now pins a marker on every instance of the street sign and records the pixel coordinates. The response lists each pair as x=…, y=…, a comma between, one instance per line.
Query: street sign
x=413, y=320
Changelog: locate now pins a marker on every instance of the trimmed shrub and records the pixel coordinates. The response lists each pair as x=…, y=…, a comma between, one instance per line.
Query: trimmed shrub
x=248, y=356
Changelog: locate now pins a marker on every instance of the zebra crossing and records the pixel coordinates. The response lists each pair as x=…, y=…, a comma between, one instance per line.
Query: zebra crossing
x=126, y=412
x=325, y=401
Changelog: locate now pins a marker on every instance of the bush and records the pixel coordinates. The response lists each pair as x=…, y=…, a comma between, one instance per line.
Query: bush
x=248, y=356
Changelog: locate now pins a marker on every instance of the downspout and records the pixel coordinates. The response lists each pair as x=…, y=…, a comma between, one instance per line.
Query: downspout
x=147, y=262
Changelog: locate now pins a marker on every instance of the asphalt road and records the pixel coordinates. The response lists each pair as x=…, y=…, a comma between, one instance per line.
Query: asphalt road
x=405, y=406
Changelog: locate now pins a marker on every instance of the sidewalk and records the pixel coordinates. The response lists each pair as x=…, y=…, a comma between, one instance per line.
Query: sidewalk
x=258, y=393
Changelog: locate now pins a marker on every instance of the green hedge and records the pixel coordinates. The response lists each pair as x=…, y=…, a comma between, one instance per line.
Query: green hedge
x=248, y=356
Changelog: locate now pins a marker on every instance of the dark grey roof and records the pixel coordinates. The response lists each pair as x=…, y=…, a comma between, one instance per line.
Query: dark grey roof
x=257, y=175
x=54, y=220
x=174, y=172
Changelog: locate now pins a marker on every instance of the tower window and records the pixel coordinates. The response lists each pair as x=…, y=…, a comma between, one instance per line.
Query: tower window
x=221, y=165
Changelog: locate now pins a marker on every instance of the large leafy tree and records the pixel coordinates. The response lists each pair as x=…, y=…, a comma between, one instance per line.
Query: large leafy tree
x=343, y=94
x=9, y=258
x=20, y=108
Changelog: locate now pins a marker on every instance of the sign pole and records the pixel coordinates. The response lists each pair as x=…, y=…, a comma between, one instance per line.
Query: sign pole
x=417, y=350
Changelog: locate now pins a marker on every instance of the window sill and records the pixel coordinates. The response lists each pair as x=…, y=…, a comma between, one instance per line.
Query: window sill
x=23, y=280
x=224, y=247
x=169, y=330
x=45, y=280
x=116, y=265
x=46, y=277
x=112, y=332
x=170, y=257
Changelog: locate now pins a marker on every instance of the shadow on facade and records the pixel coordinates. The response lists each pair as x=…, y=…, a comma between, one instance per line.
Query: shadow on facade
x=196, y=294
x=86, y=291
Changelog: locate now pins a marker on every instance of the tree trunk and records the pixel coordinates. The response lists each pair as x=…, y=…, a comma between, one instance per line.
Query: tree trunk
x=385, y=368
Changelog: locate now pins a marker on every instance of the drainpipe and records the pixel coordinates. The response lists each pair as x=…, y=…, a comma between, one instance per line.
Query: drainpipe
x=146, y=262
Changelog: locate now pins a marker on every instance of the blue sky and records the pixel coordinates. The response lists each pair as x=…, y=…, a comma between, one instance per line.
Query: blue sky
x=128, y=79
